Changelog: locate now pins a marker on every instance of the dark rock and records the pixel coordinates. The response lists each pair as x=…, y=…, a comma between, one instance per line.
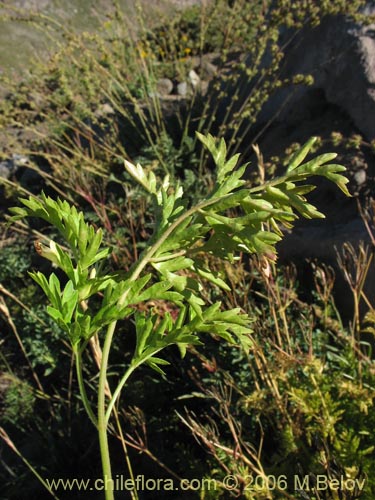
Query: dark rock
x=5, y=169
x=340, y=55
x=9, y=167
x=326, y=244
x=321, y=239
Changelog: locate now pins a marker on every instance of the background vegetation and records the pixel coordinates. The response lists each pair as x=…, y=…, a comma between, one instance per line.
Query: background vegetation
x=301, y=401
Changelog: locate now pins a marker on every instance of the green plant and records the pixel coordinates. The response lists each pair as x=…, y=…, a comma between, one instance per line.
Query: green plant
x=298, y=403
x=171, y=268
x=18, y=400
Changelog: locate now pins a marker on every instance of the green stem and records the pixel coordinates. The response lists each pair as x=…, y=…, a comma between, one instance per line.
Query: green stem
x=102, y=422
x=86, y=403
x=103, y=415
x=155, y=247
x=119, y=387
x=275, y=182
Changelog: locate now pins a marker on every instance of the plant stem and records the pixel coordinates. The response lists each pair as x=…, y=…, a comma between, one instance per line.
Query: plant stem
x=103, y=414
x=102, y=421
x=81, y=384
x=121, y=384
x=169, y=230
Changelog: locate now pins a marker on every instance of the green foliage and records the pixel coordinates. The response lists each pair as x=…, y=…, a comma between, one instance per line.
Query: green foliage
x=13, y=262
x=41, y=336
x=181, y=235
x=300, y=403
x=17, y=401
